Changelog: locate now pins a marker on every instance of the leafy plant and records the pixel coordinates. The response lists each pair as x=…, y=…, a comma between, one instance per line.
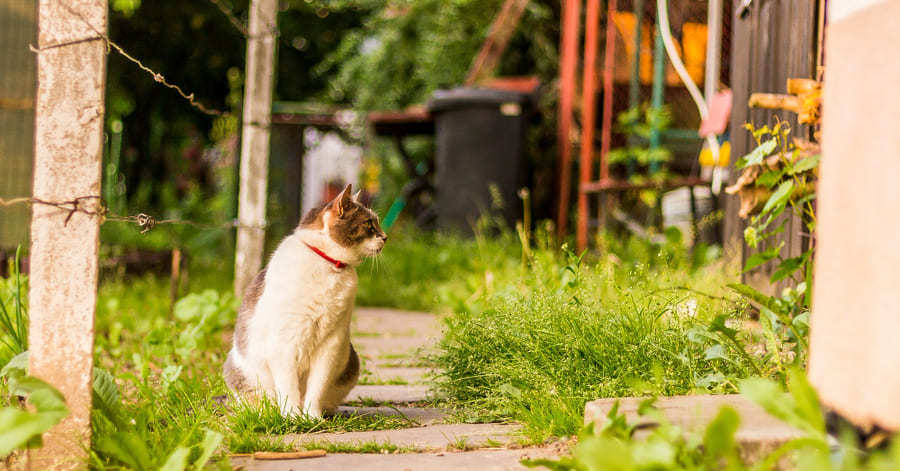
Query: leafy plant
x=788, y=176
x=614, y=444
x=637, y=124
x=21, y=428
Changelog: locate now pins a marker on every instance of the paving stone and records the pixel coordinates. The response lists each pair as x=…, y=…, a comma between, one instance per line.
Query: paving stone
x=482, y=460
x=390, y=394
x=418, y=415
x=393, y=374
x=429, y=438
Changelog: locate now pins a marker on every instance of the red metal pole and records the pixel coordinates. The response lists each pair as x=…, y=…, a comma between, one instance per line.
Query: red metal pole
x=608, y=65
x=588, y=117
x=568, y=63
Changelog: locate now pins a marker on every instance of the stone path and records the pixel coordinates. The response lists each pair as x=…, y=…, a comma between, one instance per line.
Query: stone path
x=391, y=345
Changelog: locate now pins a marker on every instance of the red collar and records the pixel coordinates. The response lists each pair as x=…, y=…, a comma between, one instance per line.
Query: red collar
x=336, y=263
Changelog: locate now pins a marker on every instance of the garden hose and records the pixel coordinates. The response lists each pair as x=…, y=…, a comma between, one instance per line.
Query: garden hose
x=666, y=33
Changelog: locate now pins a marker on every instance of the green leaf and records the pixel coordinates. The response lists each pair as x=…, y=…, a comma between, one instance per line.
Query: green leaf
x=776, y=403
x=807, y=400
x=105, y=395
x=127, y=448
x=211, y=441
x=786, y=268
x=756, y=156
x=19, y=428
x=655, y=453
x=760, y=258
x=769, y=179
x=779, y=197
x=769, y=302
x=716, y=352
x=719, y=437
x=806, y=163
x=177, y=460
x=16, y=367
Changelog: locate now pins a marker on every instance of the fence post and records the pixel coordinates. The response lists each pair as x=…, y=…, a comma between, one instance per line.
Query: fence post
x=855, y=314
x=67, y=167
x=254, y=172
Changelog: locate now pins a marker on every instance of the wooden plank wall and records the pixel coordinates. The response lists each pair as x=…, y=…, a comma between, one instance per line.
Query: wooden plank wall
x=773, y=41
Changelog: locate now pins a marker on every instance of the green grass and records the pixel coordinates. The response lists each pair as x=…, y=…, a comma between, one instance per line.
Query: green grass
x=569, y=331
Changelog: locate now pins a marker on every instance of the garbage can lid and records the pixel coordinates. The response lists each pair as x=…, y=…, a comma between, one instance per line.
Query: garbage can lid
x=467, y=97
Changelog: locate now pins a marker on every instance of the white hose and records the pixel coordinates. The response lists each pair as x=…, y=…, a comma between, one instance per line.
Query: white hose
x=711, y=141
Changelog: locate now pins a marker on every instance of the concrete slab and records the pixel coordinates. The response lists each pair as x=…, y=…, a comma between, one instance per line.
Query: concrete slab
x=417, y=415
x=484, y=460
x=378, y=374
x=758, y=434
x=378, y=348
x=396, y=323
x=430, y=438
x=390, y=394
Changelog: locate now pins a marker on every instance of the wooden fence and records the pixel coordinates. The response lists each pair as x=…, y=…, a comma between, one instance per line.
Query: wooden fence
x=772, y=40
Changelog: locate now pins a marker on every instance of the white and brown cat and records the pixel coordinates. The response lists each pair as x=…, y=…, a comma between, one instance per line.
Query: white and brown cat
x=292, y=337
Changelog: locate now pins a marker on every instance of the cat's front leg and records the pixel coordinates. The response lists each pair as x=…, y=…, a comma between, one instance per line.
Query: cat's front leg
x=285, y=369
x=324, y=370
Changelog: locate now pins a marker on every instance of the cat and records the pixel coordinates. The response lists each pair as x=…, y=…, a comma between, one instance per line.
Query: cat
x=292, y=335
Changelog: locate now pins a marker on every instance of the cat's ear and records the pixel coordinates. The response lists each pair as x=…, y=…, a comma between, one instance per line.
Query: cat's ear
x=343, y=201
x=356, y=196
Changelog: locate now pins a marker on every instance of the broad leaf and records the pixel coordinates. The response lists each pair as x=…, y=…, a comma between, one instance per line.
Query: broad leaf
x=17, y=366
x=760, y=258
x=779, y=197
x=756, y=156
x=806, y=163
x=786, y=268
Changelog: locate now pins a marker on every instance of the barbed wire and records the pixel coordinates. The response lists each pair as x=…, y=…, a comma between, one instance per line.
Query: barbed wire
x=237, y=23
x=144, y=221
x=158, y=77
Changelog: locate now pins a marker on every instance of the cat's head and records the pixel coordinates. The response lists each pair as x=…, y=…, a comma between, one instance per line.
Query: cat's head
x=351, y=228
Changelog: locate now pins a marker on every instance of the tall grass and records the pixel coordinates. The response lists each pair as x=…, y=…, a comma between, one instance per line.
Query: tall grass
x=576, y=328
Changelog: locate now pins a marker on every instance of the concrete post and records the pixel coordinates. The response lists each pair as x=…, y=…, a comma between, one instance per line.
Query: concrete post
x=854, y=343
x=254, y=171
x=67, y=166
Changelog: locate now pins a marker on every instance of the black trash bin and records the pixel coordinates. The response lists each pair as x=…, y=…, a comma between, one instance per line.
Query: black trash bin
x=479, y=142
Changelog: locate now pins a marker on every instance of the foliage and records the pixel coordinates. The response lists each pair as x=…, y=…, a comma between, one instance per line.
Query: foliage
x=785, y=318
x=613, y=444
x=431, y=44
x=20, y=427
x=637, y=124
x=566, y=330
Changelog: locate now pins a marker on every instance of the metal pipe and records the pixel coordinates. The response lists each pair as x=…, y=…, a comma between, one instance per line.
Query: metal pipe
x=588, y=115
x=568, y=62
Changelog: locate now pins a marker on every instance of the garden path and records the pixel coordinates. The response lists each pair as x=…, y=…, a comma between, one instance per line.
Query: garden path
x=394, y=380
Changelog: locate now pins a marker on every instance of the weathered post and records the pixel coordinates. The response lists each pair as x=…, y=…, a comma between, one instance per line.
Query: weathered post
x=67, y=168
x=854, y=343
x=255, y=142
